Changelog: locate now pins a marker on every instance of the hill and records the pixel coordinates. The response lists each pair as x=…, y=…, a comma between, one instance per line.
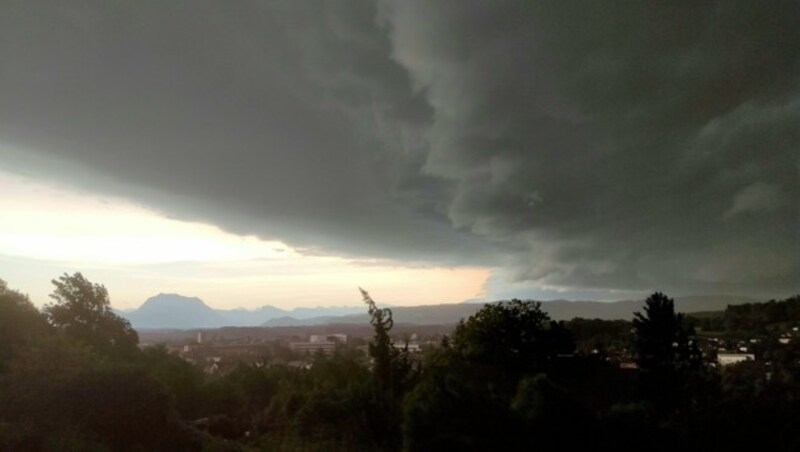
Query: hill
x=173, y=311
x=558, y=310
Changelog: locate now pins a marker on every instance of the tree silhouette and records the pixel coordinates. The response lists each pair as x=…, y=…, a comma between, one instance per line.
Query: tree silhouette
x=391, y=370
x=380, y=350
x=20, y=323
x=663, y=339
x=666, y=351
x=464, y=399
x=514, y=337
x=83, y=312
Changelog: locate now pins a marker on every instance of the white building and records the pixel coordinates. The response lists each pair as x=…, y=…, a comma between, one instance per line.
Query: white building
x=726, y=359
x=413, y=347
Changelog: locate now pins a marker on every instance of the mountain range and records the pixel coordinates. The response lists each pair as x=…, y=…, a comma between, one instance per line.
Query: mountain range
x=173, y=311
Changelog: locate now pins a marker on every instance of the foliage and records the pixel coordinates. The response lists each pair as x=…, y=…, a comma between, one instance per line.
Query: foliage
x=473, y=380
x=663, y=340
x=380, y=349
x=756, y=317
x=600, y=336
x=83, y=311
x=123, y=406
x=666, y=352
x=391, y=371
x=181, y=379
x=331, y=404
x=20, y=323
x=69, y=397
x=550, y=415
x=444, y=412
x=508, y=378
x=511, y=339
x=752, y=319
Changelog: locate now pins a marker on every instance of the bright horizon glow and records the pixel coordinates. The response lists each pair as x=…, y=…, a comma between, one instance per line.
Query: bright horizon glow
x=43, y=222
x=136, y=253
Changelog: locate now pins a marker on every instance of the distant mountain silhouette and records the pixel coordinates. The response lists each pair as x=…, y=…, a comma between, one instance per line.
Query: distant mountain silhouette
x=247, y=317
x=293, y=321
x=558, y=310
x=439, y=314
x=319, y=311
x=173, y=311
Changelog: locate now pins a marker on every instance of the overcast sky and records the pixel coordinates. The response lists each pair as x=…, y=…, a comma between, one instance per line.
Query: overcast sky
x=597, y=149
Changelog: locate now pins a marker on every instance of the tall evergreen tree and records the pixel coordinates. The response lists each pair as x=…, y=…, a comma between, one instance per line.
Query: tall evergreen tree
x=666, y=351
x=380, y=349
x=391, y=369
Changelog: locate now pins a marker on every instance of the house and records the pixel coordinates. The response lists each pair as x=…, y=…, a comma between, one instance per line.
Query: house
x=412, y=347
x=726, y=359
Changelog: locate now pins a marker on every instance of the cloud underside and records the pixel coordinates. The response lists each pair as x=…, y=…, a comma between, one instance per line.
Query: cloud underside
x=608, y=145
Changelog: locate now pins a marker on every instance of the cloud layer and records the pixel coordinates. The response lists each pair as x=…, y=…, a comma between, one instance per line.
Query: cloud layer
x=609, y=145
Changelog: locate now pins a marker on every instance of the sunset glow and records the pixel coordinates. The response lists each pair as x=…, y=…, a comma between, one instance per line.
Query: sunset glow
x=136, y=252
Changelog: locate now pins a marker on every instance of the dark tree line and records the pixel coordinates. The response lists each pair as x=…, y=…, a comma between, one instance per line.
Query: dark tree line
x=73, y=378
x=507, y=378
x=746, y=320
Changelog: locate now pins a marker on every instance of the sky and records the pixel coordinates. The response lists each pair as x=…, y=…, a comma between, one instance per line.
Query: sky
x=287, y=152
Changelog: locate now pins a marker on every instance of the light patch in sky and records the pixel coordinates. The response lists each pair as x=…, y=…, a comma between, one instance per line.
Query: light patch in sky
x=136, y=252
x=44, y=222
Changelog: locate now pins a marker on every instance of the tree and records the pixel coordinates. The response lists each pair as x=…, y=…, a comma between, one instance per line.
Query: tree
x=549, y=415
x=472, y=382
x=181, y=378
x=445, y=411
x=122, y=406
x=663, y=339
x=391, y=370
x=666, y=351
x=83, y=312
x=20, y=323
x=380, y=350
x=515, y=337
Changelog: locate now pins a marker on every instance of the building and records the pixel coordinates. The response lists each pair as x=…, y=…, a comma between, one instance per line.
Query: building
x=309, y=348
x=726, y=359
x=340, y=338
x=412, y=347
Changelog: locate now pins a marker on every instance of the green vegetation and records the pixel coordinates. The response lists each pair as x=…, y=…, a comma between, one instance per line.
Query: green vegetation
x=772, y=318
x=508, y=378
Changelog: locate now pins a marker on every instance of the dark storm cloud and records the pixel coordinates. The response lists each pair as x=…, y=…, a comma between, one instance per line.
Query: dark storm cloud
x=610, y=145
x=284, y=119
x=621, y=144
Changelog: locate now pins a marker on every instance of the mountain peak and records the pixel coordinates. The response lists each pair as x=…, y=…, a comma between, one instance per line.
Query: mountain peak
x=174, y=310
x=173, y=298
